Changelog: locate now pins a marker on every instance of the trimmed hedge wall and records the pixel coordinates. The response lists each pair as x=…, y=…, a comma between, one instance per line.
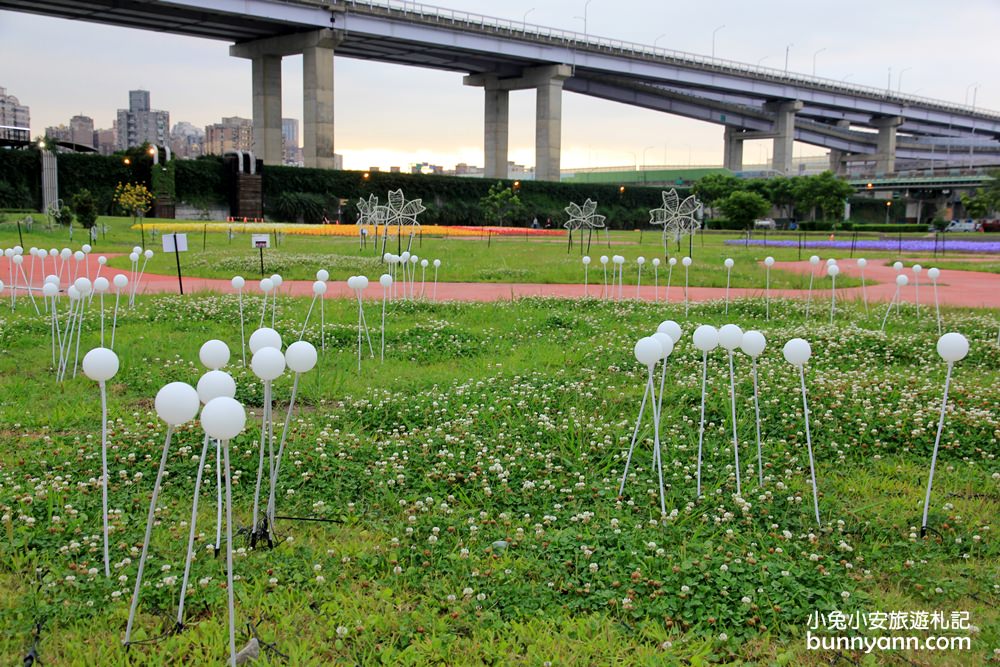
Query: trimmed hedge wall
x=449, y=199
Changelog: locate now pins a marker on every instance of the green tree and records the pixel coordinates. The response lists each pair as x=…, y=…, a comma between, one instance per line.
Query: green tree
x=781, y=193
x=744, y=207
x=85, y=207
x=134, y=198
x=500, y=203
x=823, y=194
x=986, y=199
x=716, y=187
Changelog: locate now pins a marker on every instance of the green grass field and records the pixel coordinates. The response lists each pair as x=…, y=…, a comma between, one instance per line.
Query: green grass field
x=507, y=422
x=498, y=259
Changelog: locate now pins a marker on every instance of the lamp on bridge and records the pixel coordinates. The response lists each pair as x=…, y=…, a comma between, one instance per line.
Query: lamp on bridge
x=888, y=208
x=517, y=186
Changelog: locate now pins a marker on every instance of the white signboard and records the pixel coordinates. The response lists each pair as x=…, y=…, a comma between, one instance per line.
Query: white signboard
x=260, y=240
x=175, y=242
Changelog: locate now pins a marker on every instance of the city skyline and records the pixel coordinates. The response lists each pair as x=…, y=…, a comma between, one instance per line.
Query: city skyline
x=441, y=120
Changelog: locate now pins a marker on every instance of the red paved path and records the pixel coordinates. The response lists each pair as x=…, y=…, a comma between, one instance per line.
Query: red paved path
x=955, y=288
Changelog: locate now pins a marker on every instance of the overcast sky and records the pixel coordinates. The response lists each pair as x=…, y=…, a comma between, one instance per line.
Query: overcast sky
x=62, y=68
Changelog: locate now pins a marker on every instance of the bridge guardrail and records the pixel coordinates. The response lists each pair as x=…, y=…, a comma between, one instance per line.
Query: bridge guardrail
x=434, y=13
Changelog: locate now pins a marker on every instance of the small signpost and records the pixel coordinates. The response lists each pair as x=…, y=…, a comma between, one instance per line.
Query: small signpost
x=260, y=241
x=176, y=243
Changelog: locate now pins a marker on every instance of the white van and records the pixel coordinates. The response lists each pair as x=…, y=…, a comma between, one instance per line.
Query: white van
x=968, y=225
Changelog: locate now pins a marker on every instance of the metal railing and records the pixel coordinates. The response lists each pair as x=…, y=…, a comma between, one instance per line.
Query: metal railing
x=434, y=14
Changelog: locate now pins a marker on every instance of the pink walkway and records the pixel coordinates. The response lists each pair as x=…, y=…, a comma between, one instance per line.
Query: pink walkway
x=955, y=288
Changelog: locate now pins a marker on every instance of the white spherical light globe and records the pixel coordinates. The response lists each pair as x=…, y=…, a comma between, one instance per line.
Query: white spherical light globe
x=86, y=248
x=214, y=354
x=686, y=261
x=672, y=261
x=120, y=281
x=405, y=256
x=753, y=343
x=898, y=266
x=319, y=288
x=640, y=260
x=387, y=257
x=79, y=256
x=833, y=270
x=656, y=261
x=83, y=286
x=933, y=273
x=102, y=260
x=101, y=285
x=268, y=363
x=277, y=280
x=666, y=344
x=437, y=263
x=265, y=337
x=814, y=260
x=862, y=262
x=177, y=403
x=17, y=259
x=266, y=285
x=586, y=259
x=647, y=351
x=952, y=347
x=73, y=293
x=215, y=383
x=917, y=268
x=604, y=259
x=52, y=279
x=797, y=352
x=769, y=261
x=670, y=328
x=148, y=254
x=53, y=252
x=385, y=280
x=729, y=263
x=730, y=336
x=301, y=356
x=902, y=280
x=238, y=282
x=831, y=261
x=706, y=338
x=362, y=282
x=323, y=275
x=413, y=259
x=100, y=364
x=65, y=253
x=223, y=418
x=424, y=263
x=51, y=289
x=136, y=249
x=133, y=257
x=352, y=282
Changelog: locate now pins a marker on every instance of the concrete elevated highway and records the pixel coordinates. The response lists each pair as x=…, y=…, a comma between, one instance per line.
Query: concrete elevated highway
x=856, y=123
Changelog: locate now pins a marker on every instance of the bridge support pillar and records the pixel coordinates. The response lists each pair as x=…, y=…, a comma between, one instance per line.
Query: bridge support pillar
x=548, y=84
x=267, y=108
x=548, y=127
x=885, y=151
x=317, y=49
x=838, y=165
x=497, y=128
x=732, y=157
x=784, y=127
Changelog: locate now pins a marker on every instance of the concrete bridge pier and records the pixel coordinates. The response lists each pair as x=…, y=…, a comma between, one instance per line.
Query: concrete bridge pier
x=317, y=50
x=885, y=151
x=548, y=84
x=784, y=128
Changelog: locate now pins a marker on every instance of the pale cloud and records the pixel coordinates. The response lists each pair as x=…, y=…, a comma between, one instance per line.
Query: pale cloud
x=393, y=115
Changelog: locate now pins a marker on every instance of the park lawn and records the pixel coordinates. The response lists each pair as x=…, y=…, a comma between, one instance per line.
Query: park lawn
x=508, y=422
x=512, y=259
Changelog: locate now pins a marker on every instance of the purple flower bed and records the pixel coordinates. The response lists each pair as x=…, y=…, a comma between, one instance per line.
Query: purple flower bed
x=910, y=246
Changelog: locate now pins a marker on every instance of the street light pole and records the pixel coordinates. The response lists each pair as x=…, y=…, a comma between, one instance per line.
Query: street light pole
x=787, y=48
x=524, y=20
x=713, y=37
x=644, y=162
x=657, y=40
x=814, y=58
